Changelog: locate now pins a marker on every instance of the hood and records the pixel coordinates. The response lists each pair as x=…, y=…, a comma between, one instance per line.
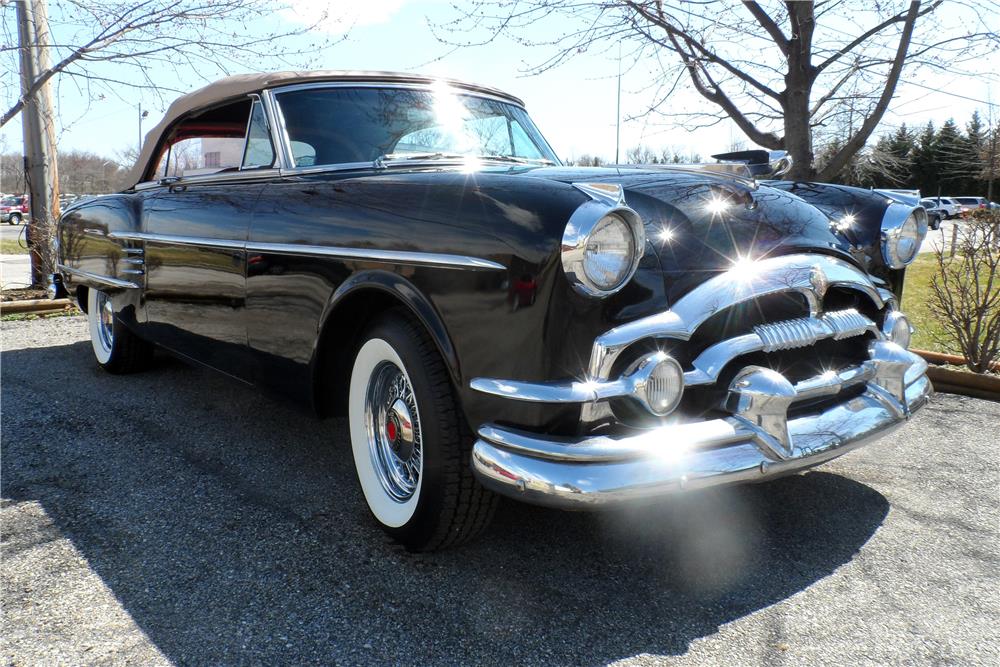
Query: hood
x=700, y=224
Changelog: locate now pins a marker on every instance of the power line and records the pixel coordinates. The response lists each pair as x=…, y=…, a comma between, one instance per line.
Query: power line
x=945, y=92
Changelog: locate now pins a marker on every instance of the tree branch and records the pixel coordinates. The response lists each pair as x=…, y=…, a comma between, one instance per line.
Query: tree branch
x=768, y=24
x=855, y=143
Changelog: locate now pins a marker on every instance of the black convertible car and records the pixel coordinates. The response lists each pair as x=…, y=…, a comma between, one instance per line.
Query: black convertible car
x=410, y=252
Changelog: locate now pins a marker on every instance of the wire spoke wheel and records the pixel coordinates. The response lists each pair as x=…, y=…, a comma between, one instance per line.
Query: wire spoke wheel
x=393, y=426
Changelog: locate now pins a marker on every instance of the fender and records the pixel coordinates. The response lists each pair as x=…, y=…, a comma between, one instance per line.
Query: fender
x=401, y=290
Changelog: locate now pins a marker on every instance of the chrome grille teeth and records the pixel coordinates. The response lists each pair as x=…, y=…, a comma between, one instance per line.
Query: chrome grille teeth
x=847, y=323
x=787, y=335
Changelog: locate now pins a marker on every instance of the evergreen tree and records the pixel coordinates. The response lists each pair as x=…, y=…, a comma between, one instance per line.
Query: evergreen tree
x=950, y=151
x=926, y=176
x=976, y=140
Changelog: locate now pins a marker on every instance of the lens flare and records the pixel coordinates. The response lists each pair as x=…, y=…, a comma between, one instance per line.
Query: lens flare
x=716, y=205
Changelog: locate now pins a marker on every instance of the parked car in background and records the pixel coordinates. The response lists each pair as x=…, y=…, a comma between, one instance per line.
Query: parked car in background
x=946, y=206
x=969, y=204
x=934, y=214
x=409, y=252
x=14, y=209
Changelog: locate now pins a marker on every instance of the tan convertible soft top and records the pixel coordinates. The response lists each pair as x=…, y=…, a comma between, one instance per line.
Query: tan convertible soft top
x=244, y=84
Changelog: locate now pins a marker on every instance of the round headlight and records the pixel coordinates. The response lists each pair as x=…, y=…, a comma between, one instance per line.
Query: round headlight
x=901, y=238
x=603, y=242
x=609, y=253
x=897, y=328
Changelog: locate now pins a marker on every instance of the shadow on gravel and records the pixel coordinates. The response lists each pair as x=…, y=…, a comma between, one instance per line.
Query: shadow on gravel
x=230, y=527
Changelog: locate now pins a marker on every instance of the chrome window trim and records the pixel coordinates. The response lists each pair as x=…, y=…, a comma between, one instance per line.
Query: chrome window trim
x=429, y=86
x=245, y=175
x=96, y=277
x=442, y=260
x=256, y=99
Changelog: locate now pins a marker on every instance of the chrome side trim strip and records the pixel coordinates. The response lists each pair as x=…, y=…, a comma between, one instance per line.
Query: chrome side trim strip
x=442, y=260
x=96, y=277
x=176, y=239
x=373, y=254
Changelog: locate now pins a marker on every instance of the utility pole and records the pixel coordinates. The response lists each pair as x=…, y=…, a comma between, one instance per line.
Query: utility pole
x=37, y=121
x=618, y=111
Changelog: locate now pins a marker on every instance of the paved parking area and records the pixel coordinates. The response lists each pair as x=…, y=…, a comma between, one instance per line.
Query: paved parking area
x=176, y=517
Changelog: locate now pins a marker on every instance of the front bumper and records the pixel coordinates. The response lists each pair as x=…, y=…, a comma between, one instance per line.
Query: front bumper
x=768, y=426
x=601, y=471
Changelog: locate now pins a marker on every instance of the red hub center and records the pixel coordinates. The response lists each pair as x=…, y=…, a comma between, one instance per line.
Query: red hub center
x=390, y=430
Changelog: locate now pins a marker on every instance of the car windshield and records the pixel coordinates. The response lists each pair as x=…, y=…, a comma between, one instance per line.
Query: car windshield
x=343, y=125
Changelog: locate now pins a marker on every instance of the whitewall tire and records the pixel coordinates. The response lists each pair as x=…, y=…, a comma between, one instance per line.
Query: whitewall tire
x=411, y=447
x=388, y=464
x=116, y=348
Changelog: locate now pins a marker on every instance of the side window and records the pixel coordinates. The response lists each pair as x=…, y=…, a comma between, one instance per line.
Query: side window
x=259, y=151
x=523, y=145
x=204, y=155
x=303, y=154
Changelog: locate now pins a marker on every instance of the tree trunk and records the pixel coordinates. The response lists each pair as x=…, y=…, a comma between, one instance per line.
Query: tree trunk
x=798, y=89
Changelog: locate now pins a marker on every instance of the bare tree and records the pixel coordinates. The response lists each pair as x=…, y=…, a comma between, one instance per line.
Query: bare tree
x=778, y=70
x=106, y=46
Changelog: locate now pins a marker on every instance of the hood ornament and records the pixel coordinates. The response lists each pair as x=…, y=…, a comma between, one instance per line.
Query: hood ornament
x=818, y=280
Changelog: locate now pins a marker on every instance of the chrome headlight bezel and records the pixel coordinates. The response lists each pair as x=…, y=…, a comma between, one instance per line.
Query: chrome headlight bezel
x=607, y=201
x=902, y=226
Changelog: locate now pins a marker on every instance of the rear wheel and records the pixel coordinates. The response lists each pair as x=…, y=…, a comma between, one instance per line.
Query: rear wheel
x=15, y=219
x=411, y=450
x=117, y=349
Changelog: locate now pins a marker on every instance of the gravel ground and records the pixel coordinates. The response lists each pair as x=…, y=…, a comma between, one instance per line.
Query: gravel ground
x=176, y=517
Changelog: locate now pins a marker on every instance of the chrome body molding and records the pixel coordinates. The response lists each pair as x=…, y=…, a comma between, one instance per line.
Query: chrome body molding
x=96, y=277
x=757, y=442
x=175, y=239
x=371, y=254
x=442, y=260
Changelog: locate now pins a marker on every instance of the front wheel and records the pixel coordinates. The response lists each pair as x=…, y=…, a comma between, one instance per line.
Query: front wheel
x=15, y=219
x=117, y=349
x=411, y=449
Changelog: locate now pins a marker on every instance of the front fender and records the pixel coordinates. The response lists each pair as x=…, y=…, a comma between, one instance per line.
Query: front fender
x=392, y=285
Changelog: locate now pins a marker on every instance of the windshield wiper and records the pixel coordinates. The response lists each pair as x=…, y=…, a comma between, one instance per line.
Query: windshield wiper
x=380, y=161
x=516, y=160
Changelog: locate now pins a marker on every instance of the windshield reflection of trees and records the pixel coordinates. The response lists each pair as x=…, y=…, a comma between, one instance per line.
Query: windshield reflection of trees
x=346, y=125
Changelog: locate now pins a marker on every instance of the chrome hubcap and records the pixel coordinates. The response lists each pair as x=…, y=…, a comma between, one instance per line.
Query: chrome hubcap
x=393, y=426
x=106, y=320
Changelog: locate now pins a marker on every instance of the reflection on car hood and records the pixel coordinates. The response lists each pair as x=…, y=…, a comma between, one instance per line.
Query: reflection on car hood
x=702, y=223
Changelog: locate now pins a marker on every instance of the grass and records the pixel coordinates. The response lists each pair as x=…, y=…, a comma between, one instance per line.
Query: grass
x=28, y=317
x=916, y=304
x=12, y=247
x=917, y=296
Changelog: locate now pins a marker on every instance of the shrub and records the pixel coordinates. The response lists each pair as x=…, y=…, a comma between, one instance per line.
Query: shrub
x=965, y=291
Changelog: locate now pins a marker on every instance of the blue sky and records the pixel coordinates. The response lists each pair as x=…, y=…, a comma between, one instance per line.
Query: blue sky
x=573, y=105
